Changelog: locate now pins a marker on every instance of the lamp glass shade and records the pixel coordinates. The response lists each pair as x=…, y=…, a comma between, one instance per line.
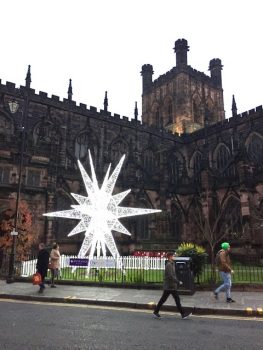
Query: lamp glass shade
x=13, y=106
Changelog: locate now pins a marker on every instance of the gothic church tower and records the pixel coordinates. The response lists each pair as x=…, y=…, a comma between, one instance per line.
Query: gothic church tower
x=182, y=100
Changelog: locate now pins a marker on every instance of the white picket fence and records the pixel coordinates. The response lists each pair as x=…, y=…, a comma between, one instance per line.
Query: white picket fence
x=123, y=262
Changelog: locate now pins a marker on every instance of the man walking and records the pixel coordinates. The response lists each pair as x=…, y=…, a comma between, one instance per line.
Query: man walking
x=225, y=271
x=170, y=287
x=42, y=265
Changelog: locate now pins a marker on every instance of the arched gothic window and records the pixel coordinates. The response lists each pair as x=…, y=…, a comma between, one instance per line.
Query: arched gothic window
x=142, y=227
x=209, y=111
x=158, y=118
x=176, y=222
x=43, y=132
x=197, y=162
x=197, y=116
x=222, y=161
x=118, y=149
x=83, y=143
x=255, y=150
x=170, y=112
x=175, y=170
x=149, y=160
x=231, y=222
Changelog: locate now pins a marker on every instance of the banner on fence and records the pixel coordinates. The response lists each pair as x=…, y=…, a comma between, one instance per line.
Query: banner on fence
x=102, y=263
x=78, y=262
x=93, y=263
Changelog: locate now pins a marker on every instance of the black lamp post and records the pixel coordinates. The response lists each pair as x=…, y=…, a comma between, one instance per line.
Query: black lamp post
x=13, y=106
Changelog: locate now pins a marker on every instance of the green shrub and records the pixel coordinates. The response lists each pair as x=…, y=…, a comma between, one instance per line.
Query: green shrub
x=196, y=253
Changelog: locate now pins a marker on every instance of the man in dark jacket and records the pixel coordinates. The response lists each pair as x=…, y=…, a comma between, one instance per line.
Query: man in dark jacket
x=42, y=265
x=170, y=287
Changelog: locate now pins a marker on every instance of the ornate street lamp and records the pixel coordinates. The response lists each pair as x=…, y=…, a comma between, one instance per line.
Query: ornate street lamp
x=13, y=106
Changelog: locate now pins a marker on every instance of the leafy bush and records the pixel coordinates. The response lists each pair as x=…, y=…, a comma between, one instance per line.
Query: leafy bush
x=197, y=253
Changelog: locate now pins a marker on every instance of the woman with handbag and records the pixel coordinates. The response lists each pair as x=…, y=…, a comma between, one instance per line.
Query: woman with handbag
x=54, y=264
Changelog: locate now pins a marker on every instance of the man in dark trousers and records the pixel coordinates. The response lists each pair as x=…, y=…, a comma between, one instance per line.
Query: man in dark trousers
x=170, y=287
x=42, y=265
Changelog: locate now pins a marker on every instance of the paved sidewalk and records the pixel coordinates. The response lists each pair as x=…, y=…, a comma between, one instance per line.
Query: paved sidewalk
x=202, y=302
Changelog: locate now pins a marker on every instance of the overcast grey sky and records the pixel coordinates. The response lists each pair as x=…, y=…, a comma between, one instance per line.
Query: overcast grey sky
x=102, y=44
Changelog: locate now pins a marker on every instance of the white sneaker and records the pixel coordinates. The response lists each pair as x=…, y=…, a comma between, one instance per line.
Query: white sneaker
x=186, y=315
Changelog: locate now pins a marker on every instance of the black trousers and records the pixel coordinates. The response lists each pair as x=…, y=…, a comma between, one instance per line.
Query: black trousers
x=165, y=296
x=43, y=275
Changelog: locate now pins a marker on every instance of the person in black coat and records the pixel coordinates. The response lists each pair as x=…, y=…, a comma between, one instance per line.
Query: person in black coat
x=42, y=265
x=170, y=287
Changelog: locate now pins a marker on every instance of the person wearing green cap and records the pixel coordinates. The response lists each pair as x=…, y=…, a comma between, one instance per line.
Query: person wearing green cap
x=225, y=271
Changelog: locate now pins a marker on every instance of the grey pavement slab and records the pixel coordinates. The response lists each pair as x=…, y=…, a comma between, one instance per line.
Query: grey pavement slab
x=202, y=302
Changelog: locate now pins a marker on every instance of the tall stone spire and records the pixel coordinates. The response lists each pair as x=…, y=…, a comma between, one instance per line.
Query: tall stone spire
x=28, y=77
x=136, y=111
x=106, y=101
x=70, y=93
x=234, y=106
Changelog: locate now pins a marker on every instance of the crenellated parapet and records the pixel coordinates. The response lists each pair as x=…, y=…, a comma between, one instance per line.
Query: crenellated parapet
x=233, y=122
x=170, y=75
x=11, y=91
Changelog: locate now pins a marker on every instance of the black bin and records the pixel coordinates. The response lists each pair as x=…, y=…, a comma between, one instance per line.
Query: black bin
x=185, y=274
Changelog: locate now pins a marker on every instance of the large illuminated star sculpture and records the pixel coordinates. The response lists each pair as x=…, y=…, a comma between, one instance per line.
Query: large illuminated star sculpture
x=99, y=212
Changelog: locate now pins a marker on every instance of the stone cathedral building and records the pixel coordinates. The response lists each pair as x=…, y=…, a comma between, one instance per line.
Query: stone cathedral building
x=204, y=171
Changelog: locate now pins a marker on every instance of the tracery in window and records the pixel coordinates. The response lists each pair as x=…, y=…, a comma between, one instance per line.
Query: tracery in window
x=197, y=113
x=170, y=112
x=176, y=222
x=255, y=149
x=158, y=118
x=196, y=166
x=231, y=221
x=149, y=160
x=84, y=142
x=222, y=161
x=209, y=111
x=118, y=149
x=142, y=224
x=176, y=167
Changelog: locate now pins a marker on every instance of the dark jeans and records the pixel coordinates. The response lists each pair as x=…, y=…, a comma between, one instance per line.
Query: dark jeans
x=165, y=296
x=42, y=284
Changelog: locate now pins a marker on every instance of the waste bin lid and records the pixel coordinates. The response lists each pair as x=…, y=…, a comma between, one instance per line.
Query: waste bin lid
x=183, y=259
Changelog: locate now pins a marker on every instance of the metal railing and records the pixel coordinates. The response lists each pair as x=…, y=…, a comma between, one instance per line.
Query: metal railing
x=128, y=270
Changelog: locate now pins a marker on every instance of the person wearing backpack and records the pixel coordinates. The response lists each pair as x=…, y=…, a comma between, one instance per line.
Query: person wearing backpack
x=224, y=267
